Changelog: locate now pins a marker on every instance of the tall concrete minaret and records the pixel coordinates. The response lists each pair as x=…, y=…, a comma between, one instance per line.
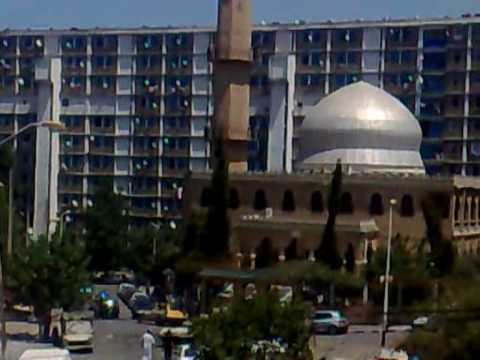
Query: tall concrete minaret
x=231, y=81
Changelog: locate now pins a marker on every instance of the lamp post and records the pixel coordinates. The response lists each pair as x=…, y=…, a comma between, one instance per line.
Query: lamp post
x=53, y=126
x=392, y=203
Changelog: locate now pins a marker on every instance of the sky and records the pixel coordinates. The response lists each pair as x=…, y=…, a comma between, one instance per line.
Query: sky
x=134, y=13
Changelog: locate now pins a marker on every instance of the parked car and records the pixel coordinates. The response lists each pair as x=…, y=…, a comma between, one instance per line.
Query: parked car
x=45, y=354
x=125, y=292
x=329, y=322
x=140, y=302
x=185, y=352
x=105, y=306
x=73, y=331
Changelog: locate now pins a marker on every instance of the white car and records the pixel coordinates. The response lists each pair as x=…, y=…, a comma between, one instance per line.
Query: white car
x=45, y=354
x=185, y=352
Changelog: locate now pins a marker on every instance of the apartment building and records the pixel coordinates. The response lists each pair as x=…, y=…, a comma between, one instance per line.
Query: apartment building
x=137, y=103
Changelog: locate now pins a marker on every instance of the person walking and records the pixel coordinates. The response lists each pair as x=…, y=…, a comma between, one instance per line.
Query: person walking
x=147, y=344
x=168, y=346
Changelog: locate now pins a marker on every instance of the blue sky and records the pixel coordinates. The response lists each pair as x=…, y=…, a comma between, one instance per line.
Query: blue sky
x=89, y=13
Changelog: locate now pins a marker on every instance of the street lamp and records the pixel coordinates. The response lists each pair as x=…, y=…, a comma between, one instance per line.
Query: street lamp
x=392, y=203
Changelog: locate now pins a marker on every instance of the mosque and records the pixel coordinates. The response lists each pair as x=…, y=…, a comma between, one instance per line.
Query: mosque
x=377, y=140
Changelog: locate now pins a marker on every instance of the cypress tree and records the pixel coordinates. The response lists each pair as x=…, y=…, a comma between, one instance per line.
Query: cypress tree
x=328, y=251
x=217, y=228
x=350, y=258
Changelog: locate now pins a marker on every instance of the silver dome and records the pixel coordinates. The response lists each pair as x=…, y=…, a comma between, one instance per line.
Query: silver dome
x=366, y=128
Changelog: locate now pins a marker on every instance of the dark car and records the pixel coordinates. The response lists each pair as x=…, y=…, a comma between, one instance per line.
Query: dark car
x=140, y=302
x=106, y=307
x=125, y=292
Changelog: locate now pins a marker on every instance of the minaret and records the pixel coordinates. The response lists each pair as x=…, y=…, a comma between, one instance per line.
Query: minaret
x=232, y=81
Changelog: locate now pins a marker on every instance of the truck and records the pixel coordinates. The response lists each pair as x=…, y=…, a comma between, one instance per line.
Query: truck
x=73, y=330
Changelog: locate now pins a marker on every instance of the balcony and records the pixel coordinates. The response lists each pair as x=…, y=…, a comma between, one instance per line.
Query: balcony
x=148, y=87
x=176, y=152
x=8, y=66
x=403, y=37
x=456, y=61
x=174, y=214
x=74, y=89
x=8, y=46
x=101, y=150
x=174, y=173
x=455, y=83
x=74, y=66
x=339, y=67
x=311, y=39
x=72, y=45
x=145, y=151
x=148, y=106
x=103, y=85
x=474, y=105
x=104, y=44
x=7, y=86
x=107, y=170
x=454, y=106
x=6, y=126
x=149, y=44
x=151, y=171
x=396, y=89
x=457, y=36
x=179, y=42
x=169, y=193
x=72, y=149
x=70, y=188
x=32, y=46
x=142, y=191
x=176, y=131
x=347, y=39
x=147, y=131
x=105, y=69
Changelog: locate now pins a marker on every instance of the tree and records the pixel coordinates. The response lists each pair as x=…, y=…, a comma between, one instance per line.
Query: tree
x=215, y=242
x=328, y=251
x=107, y=229
x=150, y=251
x=232, y=333
x=49, y=274
x=350, y=258
x=442, y=254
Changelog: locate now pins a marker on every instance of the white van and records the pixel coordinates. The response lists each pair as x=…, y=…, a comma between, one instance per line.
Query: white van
x=46, y=354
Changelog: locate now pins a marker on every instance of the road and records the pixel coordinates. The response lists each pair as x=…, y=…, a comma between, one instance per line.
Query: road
x=120, y=340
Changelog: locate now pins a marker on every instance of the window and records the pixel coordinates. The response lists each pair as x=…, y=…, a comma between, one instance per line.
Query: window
x=73, y=43
x=260, y=200
x=233, y=199
x=346, y=204
x=376, y=205
x=147, y=42
x=148, y=61
x=288, y=203
x=311, y=36
x=205, y=198
x=316, y=202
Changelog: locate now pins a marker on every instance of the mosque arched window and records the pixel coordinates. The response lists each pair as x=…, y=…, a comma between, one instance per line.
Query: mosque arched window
x=316, y=202
x=288, y=202
x=407, y=207
x=260, y=200
x=376, y=205
x=346, y=203
x=233, y=199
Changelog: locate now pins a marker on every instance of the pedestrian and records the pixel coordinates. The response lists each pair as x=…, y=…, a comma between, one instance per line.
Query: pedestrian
x=147, y=343
x=168, y=346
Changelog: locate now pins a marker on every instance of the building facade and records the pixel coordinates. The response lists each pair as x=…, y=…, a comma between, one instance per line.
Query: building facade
x=138, y=102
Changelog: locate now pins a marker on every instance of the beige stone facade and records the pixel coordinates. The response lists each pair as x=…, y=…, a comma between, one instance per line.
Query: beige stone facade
x=292, y=209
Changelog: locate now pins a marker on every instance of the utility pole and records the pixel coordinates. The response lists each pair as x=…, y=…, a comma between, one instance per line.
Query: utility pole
x=10, y=211
x=387, y=273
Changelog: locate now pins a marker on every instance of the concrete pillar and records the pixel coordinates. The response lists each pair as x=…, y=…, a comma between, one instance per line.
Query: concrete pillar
x=469, y=211
x=253, y=257
x=453, y=205
x=239, y=257
x=475, y=214
x=461, y=212
x=48, y=77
